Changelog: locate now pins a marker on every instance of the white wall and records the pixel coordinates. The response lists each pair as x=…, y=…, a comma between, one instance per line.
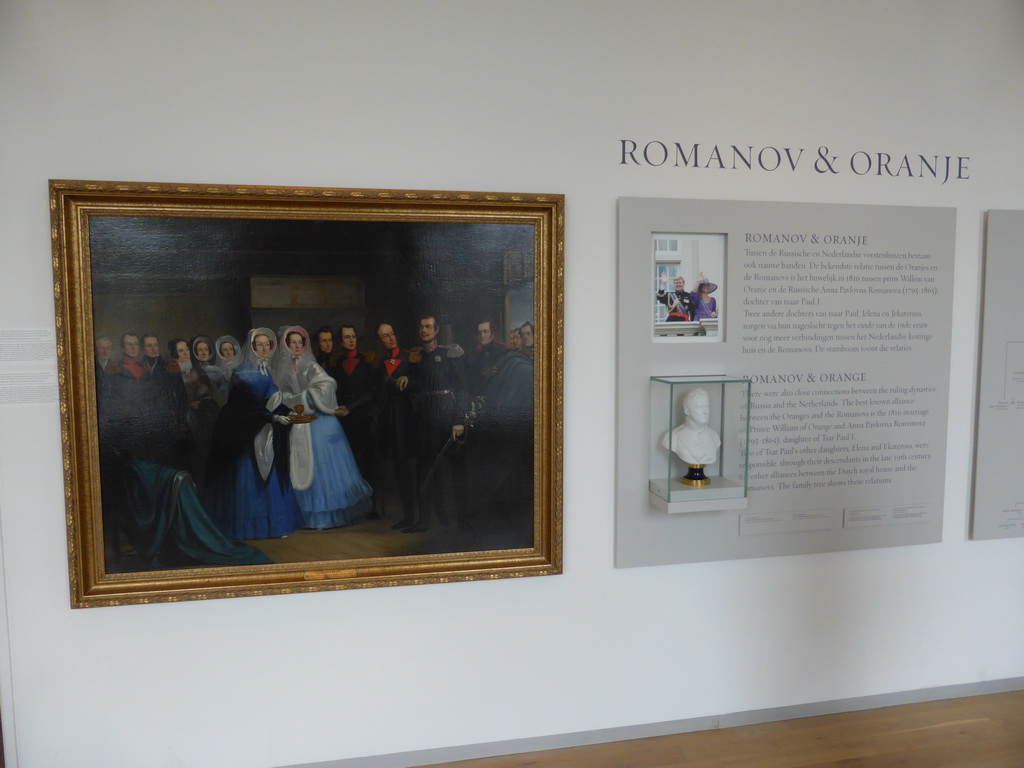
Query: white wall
x=530, y=97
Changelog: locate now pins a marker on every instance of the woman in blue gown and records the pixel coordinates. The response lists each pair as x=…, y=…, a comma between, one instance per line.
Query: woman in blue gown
x=327, y=483
x=249, y=494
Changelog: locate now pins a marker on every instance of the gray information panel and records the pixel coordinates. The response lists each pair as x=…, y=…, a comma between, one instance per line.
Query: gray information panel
x=841, y=315
x=998, y=480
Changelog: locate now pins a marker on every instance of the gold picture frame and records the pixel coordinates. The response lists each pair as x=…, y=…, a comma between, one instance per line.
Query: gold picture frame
x=159, y=457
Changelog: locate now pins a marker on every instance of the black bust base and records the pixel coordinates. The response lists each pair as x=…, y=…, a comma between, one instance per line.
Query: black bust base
x=696, y=476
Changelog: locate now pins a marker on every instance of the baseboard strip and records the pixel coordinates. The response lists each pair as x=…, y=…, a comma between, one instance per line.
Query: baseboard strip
x=628, y=732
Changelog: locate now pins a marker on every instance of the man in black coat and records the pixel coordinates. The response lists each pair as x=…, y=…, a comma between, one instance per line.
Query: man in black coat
x=498, y=455
x=357, y=389
x=396, y=430
x=323, y=349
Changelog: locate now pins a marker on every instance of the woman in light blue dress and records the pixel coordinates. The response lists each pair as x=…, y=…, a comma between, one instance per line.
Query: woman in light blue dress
x=327, y=483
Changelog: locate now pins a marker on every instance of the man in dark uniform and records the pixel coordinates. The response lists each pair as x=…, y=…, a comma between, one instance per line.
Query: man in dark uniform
x=129, y=365
x=164, y=436
x=118, y=400
x=143, y=416
x=443, y=401
x=396, y=429
x=679, y=302
x=357, y=389
x=526, y=339
x=108, y=379
x=323, y=349
x=140, y=409
x=104, y=352
x=498, y=454
x=152, y=361
x=105, y=367
x=482, y=361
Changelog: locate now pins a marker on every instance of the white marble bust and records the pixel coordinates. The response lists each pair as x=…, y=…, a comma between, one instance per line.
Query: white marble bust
x=694, y=441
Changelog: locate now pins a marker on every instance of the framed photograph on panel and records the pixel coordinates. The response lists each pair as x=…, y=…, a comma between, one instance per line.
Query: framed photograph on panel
x=270, y=389
x=687, y=302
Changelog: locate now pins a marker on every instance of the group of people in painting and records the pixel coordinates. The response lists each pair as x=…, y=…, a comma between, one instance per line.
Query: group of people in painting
x=683, y=305
x=287, y=430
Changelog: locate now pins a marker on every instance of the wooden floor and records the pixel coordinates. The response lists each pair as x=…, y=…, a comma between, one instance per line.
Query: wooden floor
x=977, y=732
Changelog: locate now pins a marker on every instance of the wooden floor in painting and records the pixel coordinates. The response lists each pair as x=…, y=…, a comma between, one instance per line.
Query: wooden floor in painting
x=377, y=538
x=481, y=530
x=976, y=732
x=365, y=539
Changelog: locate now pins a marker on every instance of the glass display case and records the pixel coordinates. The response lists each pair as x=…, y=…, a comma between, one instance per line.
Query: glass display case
x=698, y=442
